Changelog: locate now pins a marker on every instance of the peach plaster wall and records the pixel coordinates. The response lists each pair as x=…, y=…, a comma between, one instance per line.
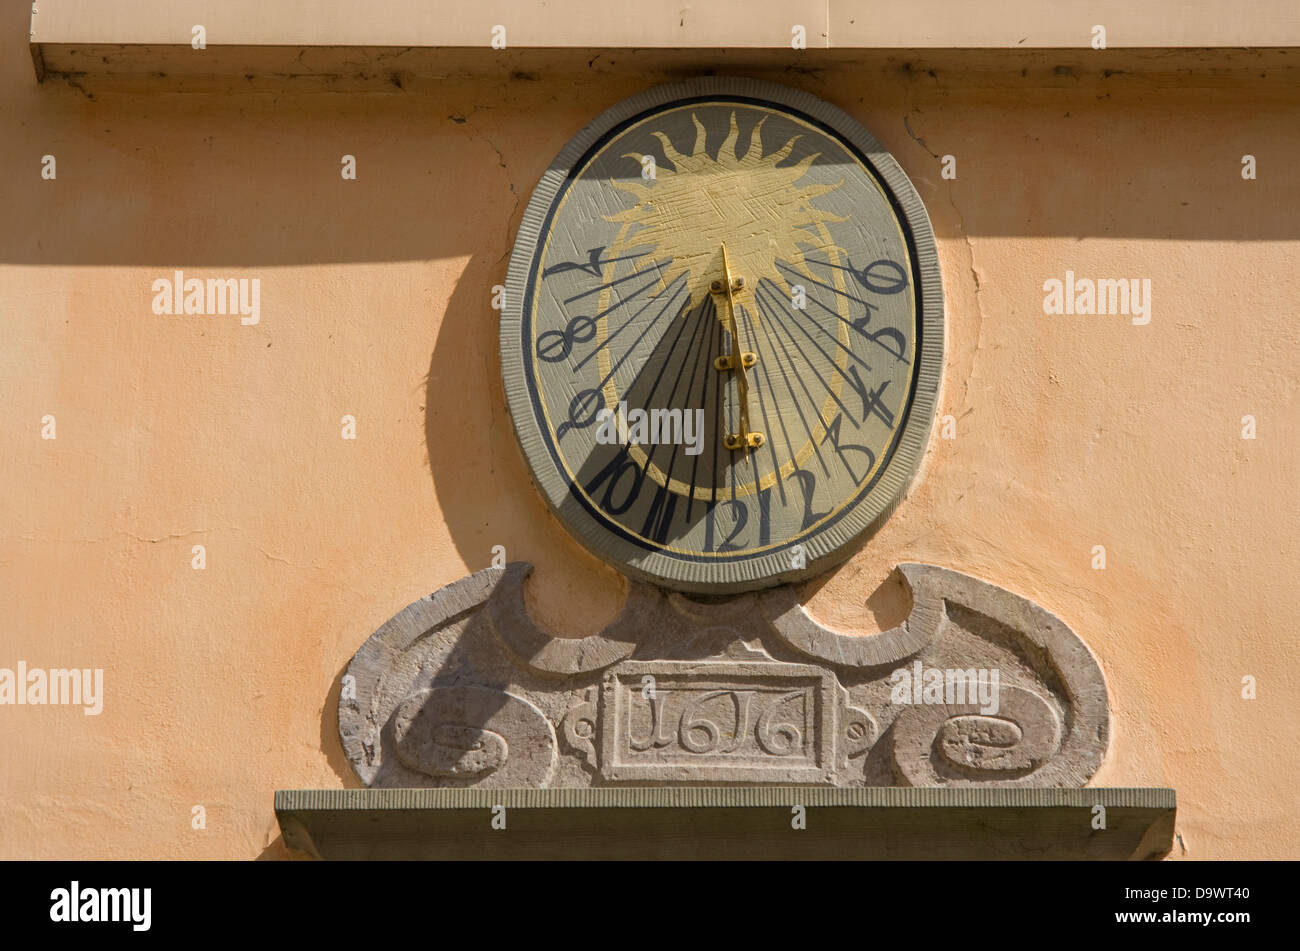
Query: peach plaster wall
x=221, y=684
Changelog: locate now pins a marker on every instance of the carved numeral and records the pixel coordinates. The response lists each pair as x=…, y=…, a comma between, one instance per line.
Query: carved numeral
x=882, y=277
x=807, y=487
x=583, y=409
x=556, y=345
x=614, y=473
x=779, y=738
x=739, y=511
x=833, y=436
x=872, y=404
x=808, y=482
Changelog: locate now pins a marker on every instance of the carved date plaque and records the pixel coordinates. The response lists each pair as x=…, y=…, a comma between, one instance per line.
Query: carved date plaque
x=676, y=721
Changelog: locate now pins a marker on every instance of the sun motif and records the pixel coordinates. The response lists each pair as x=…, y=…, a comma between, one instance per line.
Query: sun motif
x=750, y=202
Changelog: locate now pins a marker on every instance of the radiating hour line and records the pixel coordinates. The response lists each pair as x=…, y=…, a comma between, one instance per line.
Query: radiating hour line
x=717, y=421
x=830, y=287
x=664, y=364
x=627, y=323
x=733, y=347
x=852, y=326
x=862, y=331
x=715, y=326
x=668, y=306
x=615, y=368
x=833, y=395
x=694, y=361
x=786, y=377
x=780, y=301
x=593, y=264
x=762, y=404
x=657, y=265
x=681, y=367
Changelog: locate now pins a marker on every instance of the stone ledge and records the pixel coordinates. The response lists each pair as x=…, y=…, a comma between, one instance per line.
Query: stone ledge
x=736, y=24
x=612, y=823
x=272, y=70
x=346, y=44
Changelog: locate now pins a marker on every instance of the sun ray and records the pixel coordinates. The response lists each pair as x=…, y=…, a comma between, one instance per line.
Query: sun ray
x=700, y=136
x=755, y=152
x=729, y=143
x=784, y=151
x=670, y=152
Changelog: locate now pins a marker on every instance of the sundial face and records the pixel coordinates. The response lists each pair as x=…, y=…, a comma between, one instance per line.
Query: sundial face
x=723, y=335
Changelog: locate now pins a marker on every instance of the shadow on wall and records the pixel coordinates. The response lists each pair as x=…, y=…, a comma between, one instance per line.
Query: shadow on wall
x=158, y=178
x=330, y=743
x=485, y=494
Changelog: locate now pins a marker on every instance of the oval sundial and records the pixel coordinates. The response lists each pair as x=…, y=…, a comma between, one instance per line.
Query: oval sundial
x=723, y=335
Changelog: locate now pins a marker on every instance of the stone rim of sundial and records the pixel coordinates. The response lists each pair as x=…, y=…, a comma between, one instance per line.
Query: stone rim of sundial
x=829, y=546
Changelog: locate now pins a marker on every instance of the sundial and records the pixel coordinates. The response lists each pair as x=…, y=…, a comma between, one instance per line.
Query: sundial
x=723, y=335
x=721, y=349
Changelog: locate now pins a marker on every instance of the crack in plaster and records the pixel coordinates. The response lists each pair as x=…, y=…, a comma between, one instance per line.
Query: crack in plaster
x=162, y=538
x=463, y=119
x=971, y=263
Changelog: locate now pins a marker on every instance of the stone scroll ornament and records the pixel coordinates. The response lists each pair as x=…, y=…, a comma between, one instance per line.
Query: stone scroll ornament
x=977, y=687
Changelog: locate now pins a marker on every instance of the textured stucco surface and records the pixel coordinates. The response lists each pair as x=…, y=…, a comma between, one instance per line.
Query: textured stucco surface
x=222, y=684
